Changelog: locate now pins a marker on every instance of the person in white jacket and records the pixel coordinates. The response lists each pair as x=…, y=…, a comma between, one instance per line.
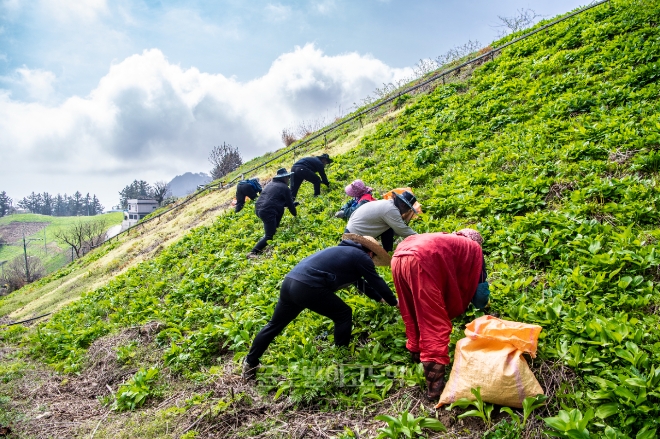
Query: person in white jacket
x=384, y=219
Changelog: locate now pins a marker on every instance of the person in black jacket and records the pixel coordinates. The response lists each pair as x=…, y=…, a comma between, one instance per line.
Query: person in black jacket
x=312, y=284
x=306, y=169
x=246, y=188
x=270, y=208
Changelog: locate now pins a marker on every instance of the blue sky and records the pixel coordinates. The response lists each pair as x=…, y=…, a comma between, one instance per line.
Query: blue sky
x=96, y=93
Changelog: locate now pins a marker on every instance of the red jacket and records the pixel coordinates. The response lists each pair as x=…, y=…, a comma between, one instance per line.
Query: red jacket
x=436, y=276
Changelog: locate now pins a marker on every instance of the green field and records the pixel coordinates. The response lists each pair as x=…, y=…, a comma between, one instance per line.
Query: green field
x=42, y=242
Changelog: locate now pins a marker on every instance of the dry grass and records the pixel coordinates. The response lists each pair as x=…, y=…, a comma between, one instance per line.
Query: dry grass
x=557, y=190
x=222, y=406
x=622, y=157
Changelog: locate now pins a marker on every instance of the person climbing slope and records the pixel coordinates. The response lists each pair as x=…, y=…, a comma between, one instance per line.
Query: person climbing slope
x=306, y=169
x=384, y=219
x=270, y=208
x=361, y=194
x=246, y=188
x=436, y=276
x=312, y=285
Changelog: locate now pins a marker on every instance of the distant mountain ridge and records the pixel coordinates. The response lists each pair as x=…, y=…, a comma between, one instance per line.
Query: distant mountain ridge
x=185, y=184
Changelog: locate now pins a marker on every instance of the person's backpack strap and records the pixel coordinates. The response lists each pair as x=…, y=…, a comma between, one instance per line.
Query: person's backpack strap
x=255, y=185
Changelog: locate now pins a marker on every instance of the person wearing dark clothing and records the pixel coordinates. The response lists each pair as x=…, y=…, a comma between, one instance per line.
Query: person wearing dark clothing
x=270, y=208
x=312, y=285
x=306, y=169
x=246, y=188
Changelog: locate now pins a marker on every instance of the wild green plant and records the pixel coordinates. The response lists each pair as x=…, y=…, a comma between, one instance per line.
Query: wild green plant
x=570, y=424
x=530, y=404
x=481, y=409
x=126, y=353
x=134, y=393
x=406, y=425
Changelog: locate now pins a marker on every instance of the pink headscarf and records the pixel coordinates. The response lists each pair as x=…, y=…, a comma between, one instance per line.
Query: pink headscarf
x=472, y=234
x=357, y=189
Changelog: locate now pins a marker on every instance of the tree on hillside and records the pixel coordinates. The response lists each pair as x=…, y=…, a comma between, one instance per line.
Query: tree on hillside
x=61, y=205
x=82, y=236
x=224, y=159
x=76, y=204
x=138, y=190
x=161, y=190
x=17, y=274
x=5, y=203
x=97, y=207
x=524, y=19
x=46, y=207
x=91, y=205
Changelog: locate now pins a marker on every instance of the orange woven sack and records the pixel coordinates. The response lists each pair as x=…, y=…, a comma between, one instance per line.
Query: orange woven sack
x=417, y=207
x=490, y=357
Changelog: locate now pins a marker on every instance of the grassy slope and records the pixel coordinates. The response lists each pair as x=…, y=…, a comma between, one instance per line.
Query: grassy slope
x=97, y=268
x=53, y=260
x=550, y=150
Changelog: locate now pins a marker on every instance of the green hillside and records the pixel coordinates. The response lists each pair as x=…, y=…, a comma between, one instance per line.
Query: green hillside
x=40, y=228
x=551, y=150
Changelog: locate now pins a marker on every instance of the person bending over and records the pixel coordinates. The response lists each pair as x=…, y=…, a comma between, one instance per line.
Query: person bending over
x=306, y=169
x=436, y=276
x=270, y=208
x=246, y=188
x=384, y=219
x=312, y=285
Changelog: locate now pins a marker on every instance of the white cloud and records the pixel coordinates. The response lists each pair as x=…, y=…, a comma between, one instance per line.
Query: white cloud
x=37, y=83
x=30, y=84
x=277, y=12
x=151, y=119
x=324, y=6
x=74, y=10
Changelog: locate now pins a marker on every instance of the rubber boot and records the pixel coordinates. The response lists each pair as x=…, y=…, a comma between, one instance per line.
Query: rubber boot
x=435, y=379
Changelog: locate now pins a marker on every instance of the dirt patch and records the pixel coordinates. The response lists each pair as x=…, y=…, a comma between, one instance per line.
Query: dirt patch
x=557, y=190
x=13, y=232
x=54, y=405
x=622, y=157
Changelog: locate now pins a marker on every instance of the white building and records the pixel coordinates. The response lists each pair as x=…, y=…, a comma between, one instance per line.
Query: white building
x=137, y=209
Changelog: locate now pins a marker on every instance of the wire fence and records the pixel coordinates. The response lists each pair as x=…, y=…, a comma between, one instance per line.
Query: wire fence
x=443, y=76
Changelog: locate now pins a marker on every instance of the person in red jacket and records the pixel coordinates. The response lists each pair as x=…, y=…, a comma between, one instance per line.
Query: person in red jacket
x=436, y=276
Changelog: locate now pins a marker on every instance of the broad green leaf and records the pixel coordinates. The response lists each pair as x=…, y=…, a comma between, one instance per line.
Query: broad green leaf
x=605, y=410
x=432, y=424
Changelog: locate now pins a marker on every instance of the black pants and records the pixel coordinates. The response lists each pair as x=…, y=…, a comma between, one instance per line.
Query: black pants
x=271, y=222
x=301, y=174
x=244, y=190
x=294, y=298
x=387, y=238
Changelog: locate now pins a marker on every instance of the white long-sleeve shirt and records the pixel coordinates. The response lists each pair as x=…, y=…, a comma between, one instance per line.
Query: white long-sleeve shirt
x=373, y=218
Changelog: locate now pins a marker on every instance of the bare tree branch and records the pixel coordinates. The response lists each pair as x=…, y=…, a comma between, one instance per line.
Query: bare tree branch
x=161, y=190
x=82, y=236
x=224, y=158
x=522, y=20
